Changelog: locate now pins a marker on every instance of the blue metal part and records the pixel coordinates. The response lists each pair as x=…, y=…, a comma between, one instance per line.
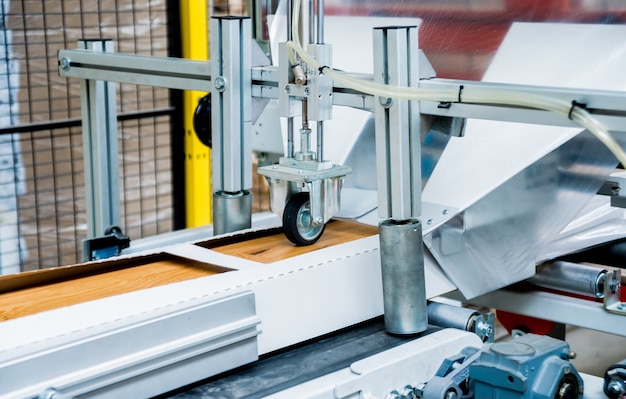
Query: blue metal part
x=527, y=367
x=530, y=366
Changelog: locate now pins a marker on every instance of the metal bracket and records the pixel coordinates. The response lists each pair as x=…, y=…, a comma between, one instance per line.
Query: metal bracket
x=612, y=293
x=107, y=246
x=451, y=380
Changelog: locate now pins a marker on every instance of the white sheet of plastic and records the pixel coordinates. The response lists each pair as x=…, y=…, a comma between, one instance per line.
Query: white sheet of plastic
x=492, y=153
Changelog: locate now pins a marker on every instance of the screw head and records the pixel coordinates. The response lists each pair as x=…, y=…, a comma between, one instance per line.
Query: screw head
x=386, y=102
x=65, y=64
x=287, y=89
x=307, y=91
x=220, y=84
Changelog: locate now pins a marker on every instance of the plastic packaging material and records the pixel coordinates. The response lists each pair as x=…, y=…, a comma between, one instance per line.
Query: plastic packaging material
x=482, y=95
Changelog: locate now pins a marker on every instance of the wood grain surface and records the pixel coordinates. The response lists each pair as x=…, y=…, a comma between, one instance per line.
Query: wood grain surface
x=37, y=299
x=276, y=247
x=160, y=271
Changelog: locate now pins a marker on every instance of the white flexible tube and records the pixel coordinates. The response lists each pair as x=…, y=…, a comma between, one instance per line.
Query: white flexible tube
x=471, y=95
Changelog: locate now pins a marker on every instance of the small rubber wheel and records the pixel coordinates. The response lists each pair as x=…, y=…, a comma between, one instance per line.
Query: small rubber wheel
x=297, y=222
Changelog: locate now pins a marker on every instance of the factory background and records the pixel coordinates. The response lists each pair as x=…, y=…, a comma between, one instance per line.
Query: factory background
x=42, y=199
x=42, y=209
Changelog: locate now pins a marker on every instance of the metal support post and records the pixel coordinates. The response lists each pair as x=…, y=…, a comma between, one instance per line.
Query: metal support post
x=231, y=123
x=100, y=147
x=399, y=183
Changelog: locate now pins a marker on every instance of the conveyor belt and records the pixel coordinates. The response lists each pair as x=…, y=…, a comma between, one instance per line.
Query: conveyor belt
x=33, y=292
x=297, y=365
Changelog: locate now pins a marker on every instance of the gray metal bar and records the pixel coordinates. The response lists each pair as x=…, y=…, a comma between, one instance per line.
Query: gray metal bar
x=609, y=107
x=173, y=73
x=399, y=183
x=231, y=117
x=140, y=356
x=100, y=149
x=320, y=22
x=397, y=125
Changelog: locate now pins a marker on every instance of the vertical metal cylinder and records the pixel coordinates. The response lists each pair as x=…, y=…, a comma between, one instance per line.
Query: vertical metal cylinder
x=571, y=277
x=311, y=21
x=231, y=211
x=404, y=288
x=320, y=21
x=289, y=16
x=320, y=141
x=290, y=128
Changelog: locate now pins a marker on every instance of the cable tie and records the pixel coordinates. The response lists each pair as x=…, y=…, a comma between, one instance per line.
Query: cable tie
x=574, y=105
x=461, y=87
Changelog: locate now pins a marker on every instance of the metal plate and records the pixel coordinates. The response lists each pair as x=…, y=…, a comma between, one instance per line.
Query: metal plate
x=517, y=185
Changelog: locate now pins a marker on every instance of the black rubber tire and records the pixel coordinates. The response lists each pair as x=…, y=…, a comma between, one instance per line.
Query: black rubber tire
x=296, y=208
x=202, y=121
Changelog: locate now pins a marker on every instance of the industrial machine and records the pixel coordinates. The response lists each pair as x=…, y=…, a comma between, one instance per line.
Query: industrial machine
x=432, y=188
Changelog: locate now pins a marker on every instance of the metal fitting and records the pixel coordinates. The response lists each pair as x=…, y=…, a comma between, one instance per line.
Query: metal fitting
x=220, y=84
x=65, y=64
x=614, y=285
x=299, y=75
x=386, y=102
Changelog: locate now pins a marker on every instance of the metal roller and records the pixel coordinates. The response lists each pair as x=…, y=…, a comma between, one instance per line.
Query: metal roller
x=449, y=316
x=404, y=289
x=442, y=315
x=571, y=277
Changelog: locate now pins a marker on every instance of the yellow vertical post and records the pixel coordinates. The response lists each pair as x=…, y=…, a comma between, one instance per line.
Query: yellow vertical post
x=195, y=46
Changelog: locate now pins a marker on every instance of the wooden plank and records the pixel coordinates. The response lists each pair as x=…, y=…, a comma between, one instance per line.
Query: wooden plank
x=37, y=299
x=120, y=278
x=276, y=247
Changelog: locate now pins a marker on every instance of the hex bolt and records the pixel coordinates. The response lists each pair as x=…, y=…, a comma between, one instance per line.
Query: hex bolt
x=614, y=285
x=450, y=395
x=408, y=392
x=615, y=387
x=393, y=395
x=65, y=64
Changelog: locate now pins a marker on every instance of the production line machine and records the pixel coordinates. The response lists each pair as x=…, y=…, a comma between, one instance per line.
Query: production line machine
x=392, y=191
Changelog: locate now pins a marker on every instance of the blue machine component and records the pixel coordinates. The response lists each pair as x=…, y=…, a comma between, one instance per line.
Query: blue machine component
x=530, y=366
x=527, y=367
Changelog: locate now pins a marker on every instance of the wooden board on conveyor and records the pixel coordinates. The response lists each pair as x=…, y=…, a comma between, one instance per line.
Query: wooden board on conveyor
x=275, y=247
x=88, y=286
x=33, y=292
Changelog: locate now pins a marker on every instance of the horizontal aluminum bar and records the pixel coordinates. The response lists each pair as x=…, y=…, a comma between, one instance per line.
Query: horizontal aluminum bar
x=169, y=72
x=607, y=106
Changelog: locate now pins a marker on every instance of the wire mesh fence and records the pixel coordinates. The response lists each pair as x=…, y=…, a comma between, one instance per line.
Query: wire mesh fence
x=42, y=200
